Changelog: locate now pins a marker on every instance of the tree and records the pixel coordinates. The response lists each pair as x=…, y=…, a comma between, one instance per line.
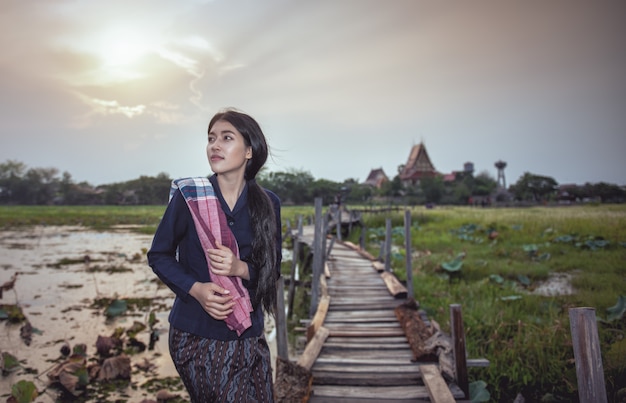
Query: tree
x=433, y=189
x=292, y=187
x=356, y=192
x=608, y=192
x=534, y=187
x=484, y=184
x=11, y=174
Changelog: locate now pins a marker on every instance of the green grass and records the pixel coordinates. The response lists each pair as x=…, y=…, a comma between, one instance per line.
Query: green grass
x=526, y=337
x=144, y=218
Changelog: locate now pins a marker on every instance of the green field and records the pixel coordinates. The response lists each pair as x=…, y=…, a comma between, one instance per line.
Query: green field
x=492, y=262
x=497, y=259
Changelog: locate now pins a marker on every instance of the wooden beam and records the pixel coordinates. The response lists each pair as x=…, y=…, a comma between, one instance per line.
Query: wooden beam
x=318, y=319
x=323, y=286
x=394, y=285
x=378, y=266
x=326, y=270
x=313, y=348
x=435, y=384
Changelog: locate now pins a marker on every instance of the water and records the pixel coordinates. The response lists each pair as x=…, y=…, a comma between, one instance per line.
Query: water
x=56, y=300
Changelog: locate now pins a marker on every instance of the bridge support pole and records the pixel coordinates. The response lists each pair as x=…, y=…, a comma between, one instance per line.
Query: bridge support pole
x=589, y=370
x=460, y=354
x=319, y=243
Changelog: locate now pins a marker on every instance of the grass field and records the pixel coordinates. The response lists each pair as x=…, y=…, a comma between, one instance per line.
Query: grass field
x=496, y=260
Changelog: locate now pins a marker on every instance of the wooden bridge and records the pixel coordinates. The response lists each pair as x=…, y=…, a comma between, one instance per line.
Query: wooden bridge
x=357, y=349
x=365, y=355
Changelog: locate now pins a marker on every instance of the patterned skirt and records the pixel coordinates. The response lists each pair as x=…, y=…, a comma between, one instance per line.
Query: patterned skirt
x=222, y=371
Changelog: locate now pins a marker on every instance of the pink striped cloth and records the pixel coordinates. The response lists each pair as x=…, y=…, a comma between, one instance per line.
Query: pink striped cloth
x=211, y=225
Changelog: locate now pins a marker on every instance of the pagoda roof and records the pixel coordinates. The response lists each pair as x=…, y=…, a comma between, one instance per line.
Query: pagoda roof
x=418, y=165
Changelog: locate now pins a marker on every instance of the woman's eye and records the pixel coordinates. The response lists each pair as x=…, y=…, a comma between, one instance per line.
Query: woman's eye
x=211, y=139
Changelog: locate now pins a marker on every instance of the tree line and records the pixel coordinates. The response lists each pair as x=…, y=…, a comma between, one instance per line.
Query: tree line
x=21, y=185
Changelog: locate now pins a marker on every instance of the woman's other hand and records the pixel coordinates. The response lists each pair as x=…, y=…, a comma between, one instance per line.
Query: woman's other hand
x=215, y=300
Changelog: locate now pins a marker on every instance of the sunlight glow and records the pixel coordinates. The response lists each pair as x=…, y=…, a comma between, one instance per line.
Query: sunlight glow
x=121, y=46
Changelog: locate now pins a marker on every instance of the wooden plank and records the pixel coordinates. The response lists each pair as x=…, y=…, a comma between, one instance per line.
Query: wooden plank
x=395, y=287
x=378, y=266
x=376, y=313
x=360, y=319
x=356, y=347
x=367, y=340
x=367, y=368
x=393, y=355
x=382, y=393
x=377, y=333
x=362, y=307
x=435, y=384
x=478, y=362
x=318, y=319
x=355, y=360
x=366, y=301
x=375, y=378
x=313, y=348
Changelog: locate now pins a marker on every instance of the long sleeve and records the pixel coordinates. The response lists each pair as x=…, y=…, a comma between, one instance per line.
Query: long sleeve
x=163, y=257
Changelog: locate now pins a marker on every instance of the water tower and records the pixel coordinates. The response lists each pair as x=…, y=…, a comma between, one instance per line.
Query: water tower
x=501, y=181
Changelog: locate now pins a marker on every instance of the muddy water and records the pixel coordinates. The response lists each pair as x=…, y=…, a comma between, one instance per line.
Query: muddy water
x=56, y=299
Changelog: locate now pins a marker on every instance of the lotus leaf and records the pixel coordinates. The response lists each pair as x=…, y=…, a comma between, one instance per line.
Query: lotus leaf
x=478, y=392
x=453, y=265
x=617, y=311
x=118, y=307
x=24, y=391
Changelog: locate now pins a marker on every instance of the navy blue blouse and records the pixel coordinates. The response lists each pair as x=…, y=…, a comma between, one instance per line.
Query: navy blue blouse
x=178, y=259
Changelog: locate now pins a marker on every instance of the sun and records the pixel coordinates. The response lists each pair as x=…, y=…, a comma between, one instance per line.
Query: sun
x=123, y=46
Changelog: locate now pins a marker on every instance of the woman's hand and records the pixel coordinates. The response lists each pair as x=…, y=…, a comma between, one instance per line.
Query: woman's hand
x=224, y=263
x=215, y=300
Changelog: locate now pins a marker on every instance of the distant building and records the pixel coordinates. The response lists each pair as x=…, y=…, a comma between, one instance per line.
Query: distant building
x=451, y=177
x=468, y=169
x=376, y=178
x=418, y=166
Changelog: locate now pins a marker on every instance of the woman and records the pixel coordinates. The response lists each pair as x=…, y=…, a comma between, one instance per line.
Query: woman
x=218, y=247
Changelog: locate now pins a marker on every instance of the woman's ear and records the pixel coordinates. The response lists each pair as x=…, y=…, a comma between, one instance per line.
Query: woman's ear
x=249, y=153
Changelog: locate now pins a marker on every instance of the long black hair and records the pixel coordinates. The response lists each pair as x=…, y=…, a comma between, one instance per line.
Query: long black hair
x=264, y=225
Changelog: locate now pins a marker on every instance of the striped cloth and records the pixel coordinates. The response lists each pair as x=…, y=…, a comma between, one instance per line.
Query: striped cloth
x=211, y=225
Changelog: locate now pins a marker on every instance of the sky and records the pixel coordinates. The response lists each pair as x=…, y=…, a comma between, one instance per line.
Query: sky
x=110, y=91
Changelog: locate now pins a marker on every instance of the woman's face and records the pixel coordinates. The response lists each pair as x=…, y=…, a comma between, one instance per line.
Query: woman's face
x=226, y=150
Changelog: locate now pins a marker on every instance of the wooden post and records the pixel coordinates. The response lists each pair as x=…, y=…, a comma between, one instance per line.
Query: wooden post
x=589, y=370
x=388, y=244
x=288, y=232
x=362, y=236
x=319, y=241
x=282, y=347
x=460, y=355
x=294, y=264
x=407, y=248
x=338, y=218
x=351, y=218
x=330, y=249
